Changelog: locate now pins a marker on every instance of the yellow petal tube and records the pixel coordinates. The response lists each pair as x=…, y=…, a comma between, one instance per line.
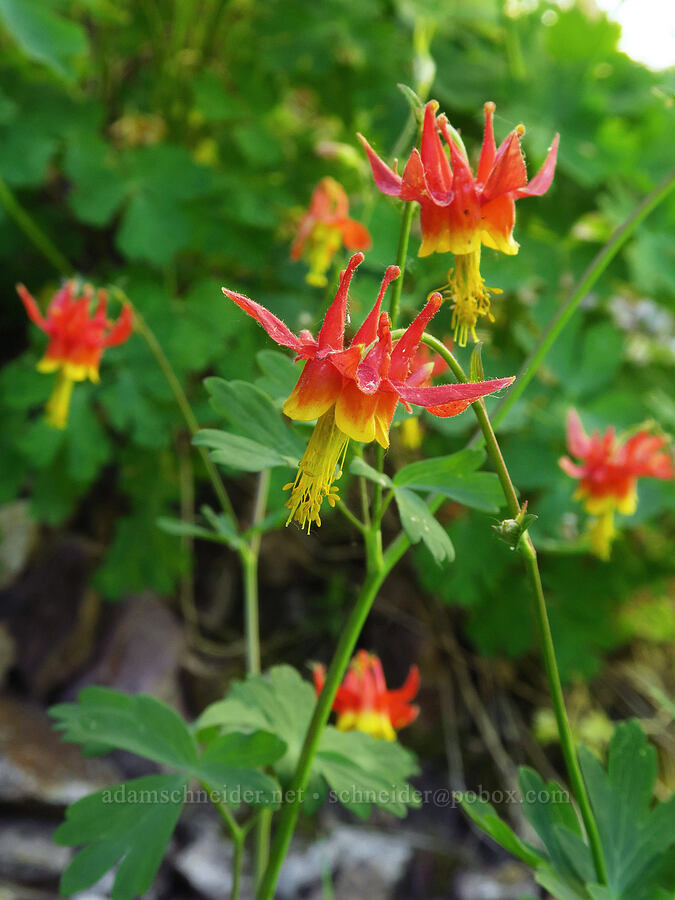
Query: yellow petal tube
x=320, y=466
x=59, y=403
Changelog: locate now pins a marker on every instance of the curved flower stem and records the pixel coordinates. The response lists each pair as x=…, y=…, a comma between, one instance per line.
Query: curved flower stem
x=32, y=230
x=529, y=555
x=377, y=571
x=401, y=255
x=183, y=403
x=249, y=555
x=588, y=279
x=397, y=289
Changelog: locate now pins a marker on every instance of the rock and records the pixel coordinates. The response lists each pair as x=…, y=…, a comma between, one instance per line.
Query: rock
x=35, y=765
x=363, y=864
x=142, y=654
x=206, y=862
x=510, y=881
x=28, y=853
x=18, y=536
x=7, y=653
x=52, y=616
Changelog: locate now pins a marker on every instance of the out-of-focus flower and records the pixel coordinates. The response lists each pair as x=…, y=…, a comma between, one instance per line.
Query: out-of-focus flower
x=608, y=475
x=461, y=212
x=324, y=228
x=138, y=130
x=77, y=340
x=363, y=702
x=353, y=391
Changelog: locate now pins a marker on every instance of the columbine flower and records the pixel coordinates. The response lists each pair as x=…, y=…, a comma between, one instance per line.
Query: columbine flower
x=460, y=212
x=324, y=228
x=608, y=475
x=363, y=702
x=352, y=391
x=76, y=340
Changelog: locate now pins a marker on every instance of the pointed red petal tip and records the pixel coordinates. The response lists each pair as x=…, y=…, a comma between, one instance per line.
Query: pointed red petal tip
x=436, y=299
x=489, y=107
x=355, y=261
x=32, y=309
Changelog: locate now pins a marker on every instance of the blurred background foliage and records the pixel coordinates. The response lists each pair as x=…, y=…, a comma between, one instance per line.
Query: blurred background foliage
x=169, y=149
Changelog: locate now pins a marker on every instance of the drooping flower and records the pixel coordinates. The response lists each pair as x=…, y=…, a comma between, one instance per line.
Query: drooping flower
x=461, y=212
x=363, y=703
x=352, y=391
x=608, y=475
x=324, y=228
x=77, y=339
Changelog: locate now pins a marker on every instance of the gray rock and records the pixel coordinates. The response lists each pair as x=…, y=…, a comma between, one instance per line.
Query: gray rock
x=508, y=882
x=35, y=765
x=361, y=863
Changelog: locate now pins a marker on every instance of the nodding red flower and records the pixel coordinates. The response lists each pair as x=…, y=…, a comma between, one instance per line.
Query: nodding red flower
x=324, y=228
x=363, y=703
x=461, y=212
x=353, y=391
x=77, y=339
x=608, y=474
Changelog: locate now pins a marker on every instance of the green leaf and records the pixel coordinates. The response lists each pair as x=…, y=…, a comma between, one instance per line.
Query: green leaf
x=132, y=822
x=547, y=806
x=366, y=772
x=483, y=814
x=558, y=886
x=228, y=765
x=634, y=837
x=454, y=476
x=361, y=468
x=141, y=725
x=362, y=770
x=253, y=415
x=419, y=524
x=43, y=35
x=281, y=374
x=241, y=452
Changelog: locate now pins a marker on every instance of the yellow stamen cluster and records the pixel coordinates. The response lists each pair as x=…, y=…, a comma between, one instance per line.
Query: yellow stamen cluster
x=320, y=466
x=469, y=296
x=59, y=403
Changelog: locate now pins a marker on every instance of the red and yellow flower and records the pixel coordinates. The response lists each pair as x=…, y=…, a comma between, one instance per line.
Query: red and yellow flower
x=461, y=212
x=324, y=228
x=608, y=474
x=77, y=339
x=353, y=391
x=363, y=703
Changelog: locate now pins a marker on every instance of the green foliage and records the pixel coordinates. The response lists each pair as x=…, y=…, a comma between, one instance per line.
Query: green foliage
x=361, y=770
x=452, y=476
x=635, y=833
x=133, y=821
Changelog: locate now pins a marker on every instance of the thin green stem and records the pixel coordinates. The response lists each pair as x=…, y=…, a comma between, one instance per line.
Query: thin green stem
x=588, y=279
x=401, y=255
x=250, y=556
x=184, y=405
x=376, y=573
x=32, y=230
x=237, y=862
x=249, y=560
x=529, y=555
x=350, y=517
